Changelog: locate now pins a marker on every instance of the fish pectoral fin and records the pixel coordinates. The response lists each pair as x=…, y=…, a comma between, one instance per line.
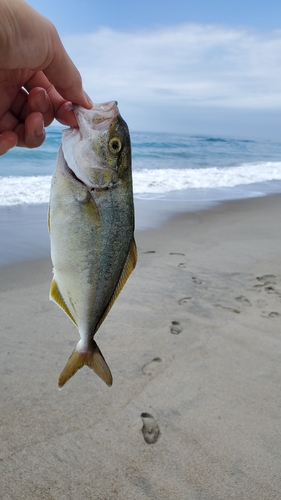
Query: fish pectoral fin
x=56, y=297
x=93, y=358
x=129, y=266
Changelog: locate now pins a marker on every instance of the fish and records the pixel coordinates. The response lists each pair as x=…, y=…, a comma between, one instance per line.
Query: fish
x=91, y=227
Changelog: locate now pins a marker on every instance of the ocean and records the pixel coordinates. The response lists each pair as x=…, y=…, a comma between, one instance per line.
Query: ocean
x=172, y=173
x=164, y=165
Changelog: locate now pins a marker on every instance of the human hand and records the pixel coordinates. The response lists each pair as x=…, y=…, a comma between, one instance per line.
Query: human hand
x=38, y=80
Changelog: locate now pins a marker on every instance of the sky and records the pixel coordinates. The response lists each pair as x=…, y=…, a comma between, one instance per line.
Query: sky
x=198, y=67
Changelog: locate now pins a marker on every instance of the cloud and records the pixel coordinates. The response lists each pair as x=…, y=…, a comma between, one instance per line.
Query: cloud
x=187, y=66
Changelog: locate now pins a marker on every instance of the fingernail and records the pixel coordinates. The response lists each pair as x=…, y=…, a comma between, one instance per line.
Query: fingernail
x=88, y=99
x=43, y=102
x=39, y=130
x=68, y=106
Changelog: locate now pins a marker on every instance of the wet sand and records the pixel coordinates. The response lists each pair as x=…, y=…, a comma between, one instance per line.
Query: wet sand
x=194, y=345
x=24, y=233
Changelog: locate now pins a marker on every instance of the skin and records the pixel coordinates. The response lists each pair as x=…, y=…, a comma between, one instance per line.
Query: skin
x=38, y=80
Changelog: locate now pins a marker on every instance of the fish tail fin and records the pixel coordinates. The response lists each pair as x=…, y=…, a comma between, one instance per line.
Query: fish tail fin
x=93, y=358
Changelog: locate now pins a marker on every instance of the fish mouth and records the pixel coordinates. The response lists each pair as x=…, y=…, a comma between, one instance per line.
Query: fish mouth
x=98, y=118
x=83, y=163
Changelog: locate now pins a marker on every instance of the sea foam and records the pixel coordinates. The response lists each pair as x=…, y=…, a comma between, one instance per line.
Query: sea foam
x=165, y=180
x=35, y=189
x=19, y=190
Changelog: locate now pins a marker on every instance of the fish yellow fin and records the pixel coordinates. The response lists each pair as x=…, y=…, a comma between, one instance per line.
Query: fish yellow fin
x=129, y=266
x=56, y=297
x=93, y=358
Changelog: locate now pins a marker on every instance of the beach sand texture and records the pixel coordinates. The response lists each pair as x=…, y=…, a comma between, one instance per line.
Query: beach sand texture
x=194, y=345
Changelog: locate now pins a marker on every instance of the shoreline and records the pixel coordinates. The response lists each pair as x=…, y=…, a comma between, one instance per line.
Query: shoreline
x=24, y=234
x=193, y=343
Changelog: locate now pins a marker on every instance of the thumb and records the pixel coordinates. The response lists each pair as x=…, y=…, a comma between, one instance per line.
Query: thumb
x=65, y=77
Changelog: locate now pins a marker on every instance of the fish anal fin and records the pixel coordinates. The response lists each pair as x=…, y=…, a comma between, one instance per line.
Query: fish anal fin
x=56, y=297
x=129, y=266
x=93, y=358
x=130, y=263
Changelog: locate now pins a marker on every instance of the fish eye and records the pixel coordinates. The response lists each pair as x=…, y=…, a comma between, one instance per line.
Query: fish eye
x=115, y=145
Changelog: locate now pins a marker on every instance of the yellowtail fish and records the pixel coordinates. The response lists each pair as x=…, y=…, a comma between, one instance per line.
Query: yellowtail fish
x=91, y=226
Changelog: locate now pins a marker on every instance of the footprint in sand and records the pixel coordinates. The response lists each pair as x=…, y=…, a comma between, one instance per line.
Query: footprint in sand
x=176, y=328
x=196, y=280
x=150, y=429
x=177, y=253
x=184, y=301
x=182, y=265
x=232, y=309
x=149, y=251
x=268, y=283
x=267, y=277
x=243, y=300
x=152, y=367
x=272, y=314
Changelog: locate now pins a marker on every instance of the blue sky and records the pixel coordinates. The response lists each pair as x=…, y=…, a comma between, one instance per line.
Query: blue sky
x=203, y=67
x=82, y=16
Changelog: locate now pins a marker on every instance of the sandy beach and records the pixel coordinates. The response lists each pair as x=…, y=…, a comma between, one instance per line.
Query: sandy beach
x=194, y=346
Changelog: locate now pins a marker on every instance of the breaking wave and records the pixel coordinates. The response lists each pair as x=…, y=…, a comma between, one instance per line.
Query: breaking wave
x=35, y=189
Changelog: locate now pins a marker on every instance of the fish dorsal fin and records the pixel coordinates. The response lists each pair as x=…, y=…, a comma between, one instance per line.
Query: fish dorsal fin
x=56, y=297
x=129, y=266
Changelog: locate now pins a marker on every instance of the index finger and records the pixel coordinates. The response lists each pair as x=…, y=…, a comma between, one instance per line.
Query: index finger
x=64, y=75
x=59, y=104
